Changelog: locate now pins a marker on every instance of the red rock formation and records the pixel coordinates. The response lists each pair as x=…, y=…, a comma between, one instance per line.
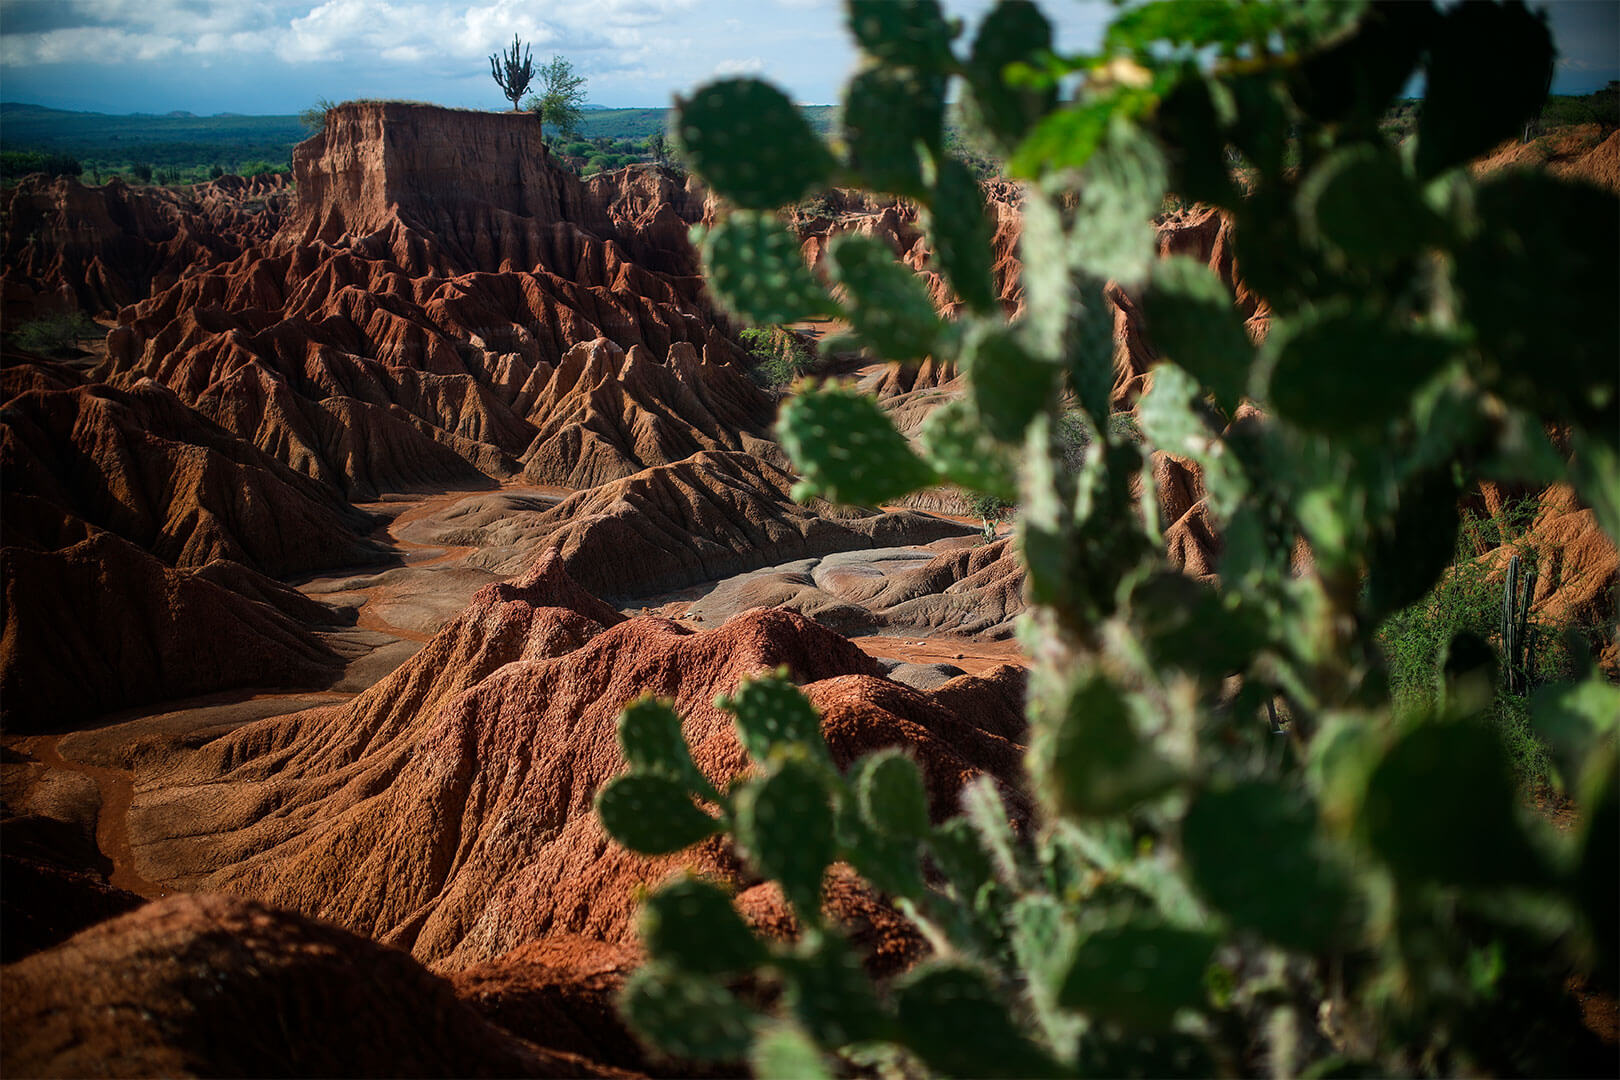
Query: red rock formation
x=711, y=515
x=69, y=247
x=218, y=986
x=449, y=809
x=402, y=327
x=98, y=625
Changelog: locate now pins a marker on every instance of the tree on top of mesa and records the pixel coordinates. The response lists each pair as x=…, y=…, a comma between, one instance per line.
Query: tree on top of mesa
x=512, y=75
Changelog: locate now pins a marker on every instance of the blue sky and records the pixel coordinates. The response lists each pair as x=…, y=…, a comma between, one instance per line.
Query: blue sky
x=279, y=56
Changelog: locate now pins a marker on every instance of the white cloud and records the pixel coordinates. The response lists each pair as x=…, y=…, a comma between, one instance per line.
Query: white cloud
x=751, y=66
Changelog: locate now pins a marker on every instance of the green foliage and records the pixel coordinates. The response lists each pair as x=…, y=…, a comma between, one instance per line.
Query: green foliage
x=781, y=357
x=314, y=117
x=561, y=98
x=1272, y=821
x=55, y=335
x=16, y=164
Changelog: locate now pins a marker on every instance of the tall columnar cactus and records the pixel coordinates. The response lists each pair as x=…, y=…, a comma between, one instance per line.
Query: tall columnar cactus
x=1233, y=852
x=1517, y=598
x=511, y=72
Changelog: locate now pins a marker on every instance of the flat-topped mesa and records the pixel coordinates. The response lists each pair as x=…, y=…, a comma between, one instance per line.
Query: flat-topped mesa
x=443, y=191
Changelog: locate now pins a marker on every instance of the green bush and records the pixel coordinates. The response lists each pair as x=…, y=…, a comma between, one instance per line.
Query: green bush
x=1246, y=853
x=780, y=356
x=55, y=335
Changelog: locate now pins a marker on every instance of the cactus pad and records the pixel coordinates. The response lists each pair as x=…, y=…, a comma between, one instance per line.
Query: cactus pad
x=831, y=996
x=752, y=144
x=953, y=1019
x=956, y=442
x=846, y=448
x=686, y=1015
x=692, y=924
x=652, y=815
x=892, y=797
x=650, y=739
x=772, y=713
x=888, y=304
x=785, y=827
x=1014, y=31
x=1138, y=974
x=961, y=234
x=1192, y=321
x=1008, y=385
x=907, y=33
x=755, y=267
x=888, y=114
x=1251, y=852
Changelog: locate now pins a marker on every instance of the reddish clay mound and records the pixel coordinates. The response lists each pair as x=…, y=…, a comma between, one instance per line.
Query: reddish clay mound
x=449, y=809
x=218, y=986
x=100, y=625
x=709, y=516
x=603, y=415
x=69, y=247
x=406, y=323
x=144, y=466
x=1581, y=152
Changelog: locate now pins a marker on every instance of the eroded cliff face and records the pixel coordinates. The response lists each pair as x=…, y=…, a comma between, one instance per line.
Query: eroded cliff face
x=402, y=326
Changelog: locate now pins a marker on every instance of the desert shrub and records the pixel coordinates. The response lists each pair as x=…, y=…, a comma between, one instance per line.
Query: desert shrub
x=141, y=171
x=1245, y=855
x=992, y=510
x=55, y=335
x=780, y=356
x=314, y=117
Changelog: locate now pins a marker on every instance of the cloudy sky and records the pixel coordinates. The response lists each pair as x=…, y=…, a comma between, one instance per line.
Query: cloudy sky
x=279, y=56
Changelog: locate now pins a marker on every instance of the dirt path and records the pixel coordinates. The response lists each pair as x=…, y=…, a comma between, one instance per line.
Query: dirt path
x=973, y=657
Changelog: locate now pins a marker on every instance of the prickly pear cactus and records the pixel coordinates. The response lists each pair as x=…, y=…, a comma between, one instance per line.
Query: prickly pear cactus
x=1236, y=846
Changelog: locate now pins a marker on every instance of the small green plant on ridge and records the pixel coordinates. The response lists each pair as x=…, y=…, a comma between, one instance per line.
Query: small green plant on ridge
x=1243, y=856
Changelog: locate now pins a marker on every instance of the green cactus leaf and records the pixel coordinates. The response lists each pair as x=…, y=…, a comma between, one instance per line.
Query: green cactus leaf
x=1360, y=205
x=956, y=442
x=1015, y=31
x=889, y=863
x=1099, y=764
x=784, y=1050
x=1008, y=385
x=1192, y=321
x=1467, y=109
x=960, y=856
x=1172, y=422
x=905, y=33
x=889, y=116
x=652, y=815
x=690, y=923
x=1597, y=873
x=1573, y=719
x=1158, y=1054
x=1138, y=974
x=831, y=996
x=987, y=814
x=751, y=144
x=754, y=266
x=892, y=797
x=686, y=1015
x=771, y=715
x=785, y=828
x=1122, y=189
x=951, y=1018
x=847, y=449
x=650, y=739
x=1253, y=854
x=1440, y=807
x=1410, y=552
x=1043, y=938
x=888, y=305
x=1596, y=476
x=1351, y=371
x=961, y=233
